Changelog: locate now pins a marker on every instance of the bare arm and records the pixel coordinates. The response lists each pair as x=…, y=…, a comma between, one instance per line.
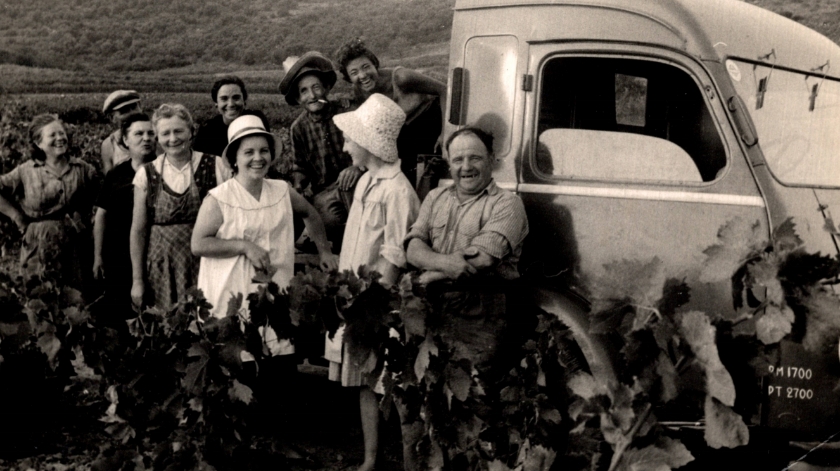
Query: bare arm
x=14, y=213
x=137, y=245
x=204, y=242
x=447, y=266
x=315, y=226
x=98, y=236
x=106, y=154
x=411, y=81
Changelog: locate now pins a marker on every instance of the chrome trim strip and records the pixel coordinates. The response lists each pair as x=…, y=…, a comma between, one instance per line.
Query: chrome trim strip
x=638, y=194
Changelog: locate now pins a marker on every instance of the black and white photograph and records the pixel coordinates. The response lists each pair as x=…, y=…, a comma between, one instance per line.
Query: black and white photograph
x=420, y=235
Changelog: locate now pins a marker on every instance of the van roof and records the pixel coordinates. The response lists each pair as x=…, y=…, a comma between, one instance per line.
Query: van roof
x=709, y=29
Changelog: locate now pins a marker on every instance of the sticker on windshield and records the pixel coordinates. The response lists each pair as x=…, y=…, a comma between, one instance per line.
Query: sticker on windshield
x=733, y=70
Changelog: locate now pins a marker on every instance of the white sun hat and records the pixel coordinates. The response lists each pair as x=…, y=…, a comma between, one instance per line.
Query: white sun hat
x=246, y=125
x=375, y=126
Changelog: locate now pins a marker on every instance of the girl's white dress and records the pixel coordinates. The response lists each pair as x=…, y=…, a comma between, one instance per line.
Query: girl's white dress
x=268, y=223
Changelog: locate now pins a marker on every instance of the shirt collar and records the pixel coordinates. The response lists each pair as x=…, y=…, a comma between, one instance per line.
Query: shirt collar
x=491, y=190
x=387, y=171
x=324, y=115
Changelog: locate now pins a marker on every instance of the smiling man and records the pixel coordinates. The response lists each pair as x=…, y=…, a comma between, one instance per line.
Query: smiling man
x=473, y=226
x=323, y=172
x=468, y=238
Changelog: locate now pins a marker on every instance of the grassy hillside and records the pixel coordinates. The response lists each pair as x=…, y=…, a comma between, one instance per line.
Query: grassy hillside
x=142, y=35
x=154, y=45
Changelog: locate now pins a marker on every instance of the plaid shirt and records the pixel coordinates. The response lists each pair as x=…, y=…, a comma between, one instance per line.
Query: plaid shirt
x=317, y=143
x=493, y=221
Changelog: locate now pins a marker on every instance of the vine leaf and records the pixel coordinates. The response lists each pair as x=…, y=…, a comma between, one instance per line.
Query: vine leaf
x=75, y=316
x=668, y=377
x=724, y=428
x=535, y=457
x=584, y=385
x=240, y=392
x=629, y=280
x=700, y=335
x=665, y=455
x=785, y=239
x=774, y=324
x=765, y=272
x=83, y=371
x=421, y=363
x=49, y=345
x=738, y=239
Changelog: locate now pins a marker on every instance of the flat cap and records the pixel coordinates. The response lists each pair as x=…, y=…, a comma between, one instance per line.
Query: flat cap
x=119, y=99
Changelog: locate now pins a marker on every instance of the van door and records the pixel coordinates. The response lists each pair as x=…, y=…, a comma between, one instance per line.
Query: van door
x=797, y=117
x=630, y=157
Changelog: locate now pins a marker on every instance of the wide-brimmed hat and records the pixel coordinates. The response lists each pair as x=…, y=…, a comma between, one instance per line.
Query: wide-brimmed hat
x=312, y=62
x=120, y=99
x=375, y=126
x=244, y=126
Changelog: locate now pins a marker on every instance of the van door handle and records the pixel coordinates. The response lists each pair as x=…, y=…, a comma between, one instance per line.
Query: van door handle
x=746, y=130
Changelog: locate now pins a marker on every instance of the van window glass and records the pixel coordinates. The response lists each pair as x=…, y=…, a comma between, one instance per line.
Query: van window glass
x=630, y=100
x=491, y=83
x=801, y=145
x=606, y=118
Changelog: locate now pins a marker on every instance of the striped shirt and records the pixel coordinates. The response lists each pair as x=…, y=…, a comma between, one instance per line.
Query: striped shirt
x=493, y=221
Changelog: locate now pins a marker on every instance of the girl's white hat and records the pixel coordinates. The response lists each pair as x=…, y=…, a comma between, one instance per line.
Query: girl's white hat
x=246, y=125
x=375, y=126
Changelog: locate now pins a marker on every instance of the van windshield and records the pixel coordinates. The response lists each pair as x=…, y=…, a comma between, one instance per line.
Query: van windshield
x=797, y=117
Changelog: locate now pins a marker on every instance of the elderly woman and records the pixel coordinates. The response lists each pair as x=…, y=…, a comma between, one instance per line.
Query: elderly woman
x=50, y=198
x=167, y=195
x=112, y=226
x=419, y=96
x=230, y=96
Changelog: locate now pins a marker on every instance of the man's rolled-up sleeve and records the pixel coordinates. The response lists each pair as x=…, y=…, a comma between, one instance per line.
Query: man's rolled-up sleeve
x=421, y=229
x=505, y=229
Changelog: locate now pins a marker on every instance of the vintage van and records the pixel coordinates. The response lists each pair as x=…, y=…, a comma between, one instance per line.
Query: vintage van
x=637, y=129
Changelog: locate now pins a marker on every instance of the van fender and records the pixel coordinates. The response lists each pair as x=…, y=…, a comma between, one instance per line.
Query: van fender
x=570, y=311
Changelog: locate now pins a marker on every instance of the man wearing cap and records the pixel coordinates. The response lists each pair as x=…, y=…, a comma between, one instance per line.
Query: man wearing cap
x=323, y=172
x=118, y=105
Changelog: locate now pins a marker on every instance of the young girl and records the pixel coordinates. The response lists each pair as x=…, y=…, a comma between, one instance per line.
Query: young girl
x=384, y=207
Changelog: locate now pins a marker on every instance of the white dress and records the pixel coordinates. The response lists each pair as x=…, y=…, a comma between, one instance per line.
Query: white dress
x=268, y=223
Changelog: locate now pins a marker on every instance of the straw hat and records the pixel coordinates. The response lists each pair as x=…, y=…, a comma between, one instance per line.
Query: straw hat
x=310, y=63
x=120, y=99
x=375, y=126
x=243, y=126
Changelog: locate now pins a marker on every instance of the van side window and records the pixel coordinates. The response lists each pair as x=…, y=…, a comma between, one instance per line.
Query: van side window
x=623, y=119
x=797, y=117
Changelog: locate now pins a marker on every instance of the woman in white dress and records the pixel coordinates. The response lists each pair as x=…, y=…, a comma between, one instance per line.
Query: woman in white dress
x=245, y=225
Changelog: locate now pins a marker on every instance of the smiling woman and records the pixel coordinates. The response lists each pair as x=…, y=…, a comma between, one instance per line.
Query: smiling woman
x=49, y=198
x=167, y=195
x=230, y=96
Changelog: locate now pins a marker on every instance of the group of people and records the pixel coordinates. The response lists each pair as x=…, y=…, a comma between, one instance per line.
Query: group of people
x=179, y=209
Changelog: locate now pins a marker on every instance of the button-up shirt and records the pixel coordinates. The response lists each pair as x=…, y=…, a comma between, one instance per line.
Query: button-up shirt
x=384, y=206
x=42, y=192
x=493, y=221
x=317, y=143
